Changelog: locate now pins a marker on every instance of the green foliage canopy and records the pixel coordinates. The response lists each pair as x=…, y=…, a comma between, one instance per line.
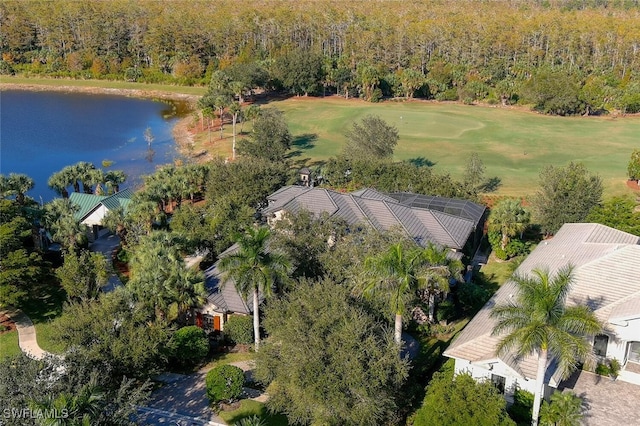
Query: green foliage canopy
x=372, y=138
x=328, y=360
x=462, y=401
x=566, y=195
x=190, y=344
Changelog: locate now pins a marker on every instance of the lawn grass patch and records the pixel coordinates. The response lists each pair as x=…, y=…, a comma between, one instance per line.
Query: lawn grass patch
x=513, y=144
x=104, y=84
x=497, y=271
x=43, y=306
x=228, y=358
x=250, y=408
x=9, y=344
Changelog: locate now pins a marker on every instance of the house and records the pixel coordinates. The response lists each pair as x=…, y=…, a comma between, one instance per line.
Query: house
x=93, y=208
x=448, y=222
x=606, y=279
x=222, y=299
x=456, y=224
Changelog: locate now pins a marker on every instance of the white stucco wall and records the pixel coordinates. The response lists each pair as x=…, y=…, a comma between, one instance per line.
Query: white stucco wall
x=96, y=217
x=482, y=371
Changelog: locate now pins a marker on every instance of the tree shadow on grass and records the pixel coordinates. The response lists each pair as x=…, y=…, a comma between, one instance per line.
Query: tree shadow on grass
x=492, y=184
x=421, y=162
x=44, y=303
x=302, y=142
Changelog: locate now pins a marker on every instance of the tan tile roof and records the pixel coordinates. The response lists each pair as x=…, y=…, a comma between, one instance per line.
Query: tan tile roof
x=606, y=278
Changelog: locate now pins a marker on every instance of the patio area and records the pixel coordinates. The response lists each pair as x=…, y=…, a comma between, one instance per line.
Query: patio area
x=608, y=402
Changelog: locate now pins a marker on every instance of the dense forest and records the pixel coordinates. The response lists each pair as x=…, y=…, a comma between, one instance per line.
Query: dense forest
x=560, y=56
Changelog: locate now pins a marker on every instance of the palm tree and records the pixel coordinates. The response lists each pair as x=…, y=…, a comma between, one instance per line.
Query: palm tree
x=187, y=289
x=437, y=271
x=254, y=269
x=66, y=229
x=221, y=102
x=86, y=172
x=19, y=184
x=565, y=409
x=235, y=110
x=59, y=181
x=82, y=408
x=113, y=179
x=510, y=218
x=539, y=321
x=395, y=274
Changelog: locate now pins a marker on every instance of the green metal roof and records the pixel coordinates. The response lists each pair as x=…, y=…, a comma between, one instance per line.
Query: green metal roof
x=88, y=202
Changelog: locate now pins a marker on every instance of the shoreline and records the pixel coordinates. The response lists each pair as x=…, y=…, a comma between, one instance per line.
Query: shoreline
x=183, y=137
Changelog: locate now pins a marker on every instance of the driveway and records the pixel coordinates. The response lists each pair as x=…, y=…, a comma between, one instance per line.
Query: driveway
x=182, y=400
x=107, y=244
x=608, y=402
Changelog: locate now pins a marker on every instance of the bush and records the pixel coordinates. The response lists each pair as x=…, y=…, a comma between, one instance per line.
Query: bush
x=520, y=411
x=239, y=329
x=614, y=367
x=472, y=297
x=445, y=311
x=190, y=344
x=224, y=383
x=602, y=369
x=251, y=421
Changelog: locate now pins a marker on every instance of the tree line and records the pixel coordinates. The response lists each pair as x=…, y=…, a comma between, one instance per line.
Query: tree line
x=562, y=57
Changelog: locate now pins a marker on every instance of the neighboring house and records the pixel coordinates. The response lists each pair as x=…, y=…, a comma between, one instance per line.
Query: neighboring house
x=222, y=300
x=606, y=278
x=452, y=223
x=93, y=208
x=456, y=224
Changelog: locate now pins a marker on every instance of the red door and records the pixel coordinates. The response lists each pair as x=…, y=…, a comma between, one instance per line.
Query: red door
x=216, y=323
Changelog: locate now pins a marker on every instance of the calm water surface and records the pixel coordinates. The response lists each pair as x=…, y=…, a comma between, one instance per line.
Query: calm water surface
x=41, y=132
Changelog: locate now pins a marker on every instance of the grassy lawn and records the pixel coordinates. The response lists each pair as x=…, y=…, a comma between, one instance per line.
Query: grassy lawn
x=228, y=358
x=250, y=408
x=107, y=84
x=497, y=271
x=9, y=344
x=44, y=306
x=514, y=145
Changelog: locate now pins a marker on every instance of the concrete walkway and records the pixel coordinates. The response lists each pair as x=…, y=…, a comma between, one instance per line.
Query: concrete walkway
x=27, y=335
x=107, y=244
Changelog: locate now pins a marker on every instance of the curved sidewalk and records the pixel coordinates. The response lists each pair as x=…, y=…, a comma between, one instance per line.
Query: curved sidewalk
x=27, y=335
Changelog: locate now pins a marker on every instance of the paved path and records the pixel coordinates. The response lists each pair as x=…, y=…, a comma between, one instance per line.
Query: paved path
x=107, y=244
x=27, y=335
x=183, y=396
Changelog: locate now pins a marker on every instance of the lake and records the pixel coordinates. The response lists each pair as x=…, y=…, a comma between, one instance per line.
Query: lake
x=41, y=132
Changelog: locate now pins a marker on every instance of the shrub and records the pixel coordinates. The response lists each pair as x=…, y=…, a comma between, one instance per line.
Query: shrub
x=251, y=421
x=445, y=311
x=603, y=369
x=472, y=297
x=224, y=383
x=614, y=367
x=239, y=329
x=190, y=345
x=520, y=411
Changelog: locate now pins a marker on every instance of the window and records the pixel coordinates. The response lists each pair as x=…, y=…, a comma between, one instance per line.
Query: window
x=633, y=351
x=600, y=343
x=498, y=382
